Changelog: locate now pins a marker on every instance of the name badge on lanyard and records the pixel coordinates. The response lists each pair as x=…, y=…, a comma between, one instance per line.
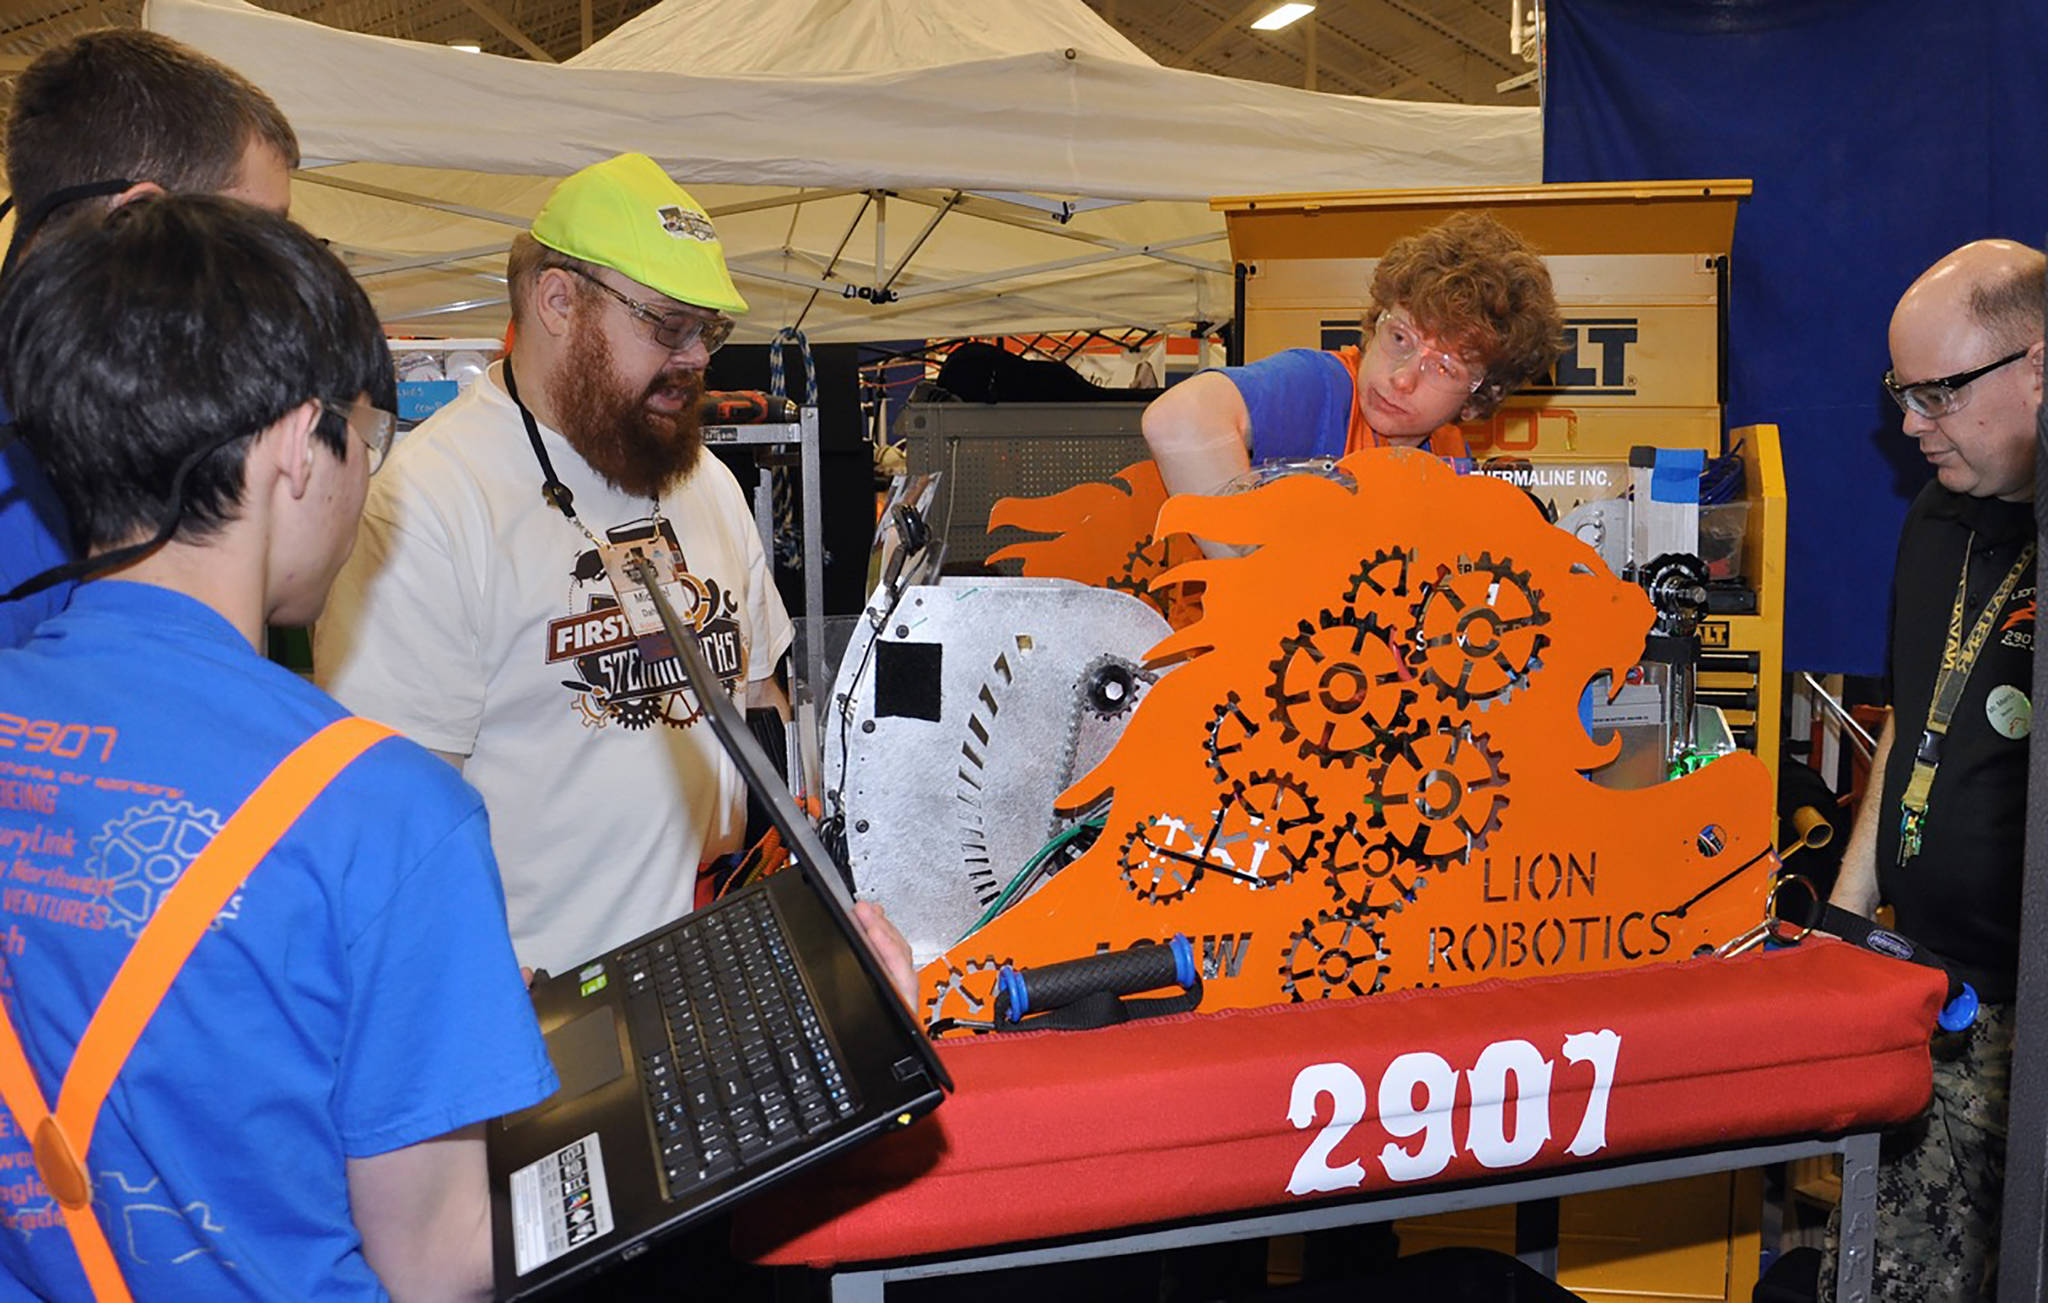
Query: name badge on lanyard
x=640, y=611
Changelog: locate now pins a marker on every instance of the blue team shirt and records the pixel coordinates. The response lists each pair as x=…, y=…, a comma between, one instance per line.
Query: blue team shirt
x=1300, y=404
x=358, y=995
x=33, y=534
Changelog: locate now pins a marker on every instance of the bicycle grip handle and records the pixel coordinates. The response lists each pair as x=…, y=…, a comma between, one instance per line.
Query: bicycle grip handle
x=1142, y=967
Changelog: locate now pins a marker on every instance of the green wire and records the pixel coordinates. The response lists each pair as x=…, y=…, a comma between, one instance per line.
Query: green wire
x=1030, y=870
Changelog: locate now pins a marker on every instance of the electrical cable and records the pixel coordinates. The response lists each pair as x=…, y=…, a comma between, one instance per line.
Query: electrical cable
x=1020, y=882
x=1722, y=479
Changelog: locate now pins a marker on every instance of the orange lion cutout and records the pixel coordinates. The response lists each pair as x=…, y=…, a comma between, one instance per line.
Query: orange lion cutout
x=1103, y=535
x=1365, y=768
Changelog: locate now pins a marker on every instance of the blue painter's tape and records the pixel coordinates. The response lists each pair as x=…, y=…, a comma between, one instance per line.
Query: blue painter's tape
x=1676, y=476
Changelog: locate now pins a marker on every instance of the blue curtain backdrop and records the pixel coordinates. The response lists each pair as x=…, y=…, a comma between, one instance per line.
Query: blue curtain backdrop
x=1880, y=134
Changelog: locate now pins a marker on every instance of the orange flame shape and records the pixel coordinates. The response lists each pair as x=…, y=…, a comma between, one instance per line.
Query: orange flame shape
x=1364, y=769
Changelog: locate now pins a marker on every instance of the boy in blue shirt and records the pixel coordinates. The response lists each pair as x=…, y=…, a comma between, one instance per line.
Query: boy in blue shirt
x=300, y=1118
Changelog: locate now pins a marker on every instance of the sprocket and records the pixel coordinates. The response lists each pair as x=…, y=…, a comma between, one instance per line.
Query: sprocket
x=1109, y=686
x=1334, y=955
x=1266, y=830
x=1228, y=732
x=1440, y=794
x=1143, y=564
x=1367, y=868
x=1476, y=631
x=966, y=994
x=1382, y=584
x=1161, y=859
x=1339, y=687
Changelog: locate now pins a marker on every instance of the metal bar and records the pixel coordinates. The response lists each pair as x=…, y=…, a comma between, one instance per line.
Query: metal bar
x=1841, y=713
x=938, y=215
x=1223, y=31
x=507, y=30
x=814, y=554
x=739, y=268
x=867, y=1284
x=585, y=28
x=851, y=227
x=442, y=310
x=797, y=200
x=968, y=206
x=881, y=238
x=1062, y=264
x=1859, y=1220
x=428, y=260
x=318, y=177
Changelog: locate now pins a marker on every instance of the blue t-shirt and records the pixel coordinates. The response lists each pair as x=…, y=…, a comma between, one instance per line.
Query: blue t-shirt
x=356, y=996
x=1300, y=404
x=33, y=537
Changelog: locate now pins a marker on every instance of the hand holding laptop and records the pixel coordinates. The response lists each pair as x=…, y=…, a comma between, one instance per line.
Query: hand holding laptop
x=889, y=947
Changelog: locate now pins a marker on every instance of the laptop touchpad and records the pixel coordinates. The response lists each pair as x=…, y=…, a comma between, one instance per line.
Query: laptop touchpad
x=585, y=1051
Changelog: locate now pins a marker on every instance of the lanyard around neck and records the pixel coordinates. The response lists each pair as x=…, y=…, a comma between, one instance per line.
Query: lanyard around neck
x=1958, y=657
x=552, y=491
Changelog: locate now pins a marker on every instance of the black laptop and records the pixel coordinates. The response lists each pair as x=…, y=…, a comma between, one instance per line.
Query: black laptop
x=706, y=1060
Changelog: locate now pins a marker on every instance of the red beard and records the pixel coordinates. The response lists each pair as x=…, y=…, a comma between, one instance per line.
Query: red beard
x=638, y=449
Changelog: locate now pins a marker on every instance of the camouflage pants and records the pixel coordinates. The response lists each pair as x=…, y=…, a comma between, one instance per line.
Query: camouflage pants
x=1942, y=1179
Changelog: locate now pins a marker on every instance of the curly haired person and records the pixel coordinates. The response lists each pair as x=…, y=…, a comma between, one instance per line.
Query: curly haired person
x=1462, y=315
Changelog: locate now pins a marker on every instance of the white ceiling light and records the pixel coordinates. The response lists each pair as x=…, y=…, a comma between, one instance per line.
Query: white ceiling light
x=1281, y=16
x=467, y=44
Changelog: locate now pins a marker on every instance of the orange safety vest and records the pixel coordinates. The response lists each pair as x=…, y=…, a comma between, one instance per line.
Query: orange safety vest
x=61, y=1138
x=1446, y=441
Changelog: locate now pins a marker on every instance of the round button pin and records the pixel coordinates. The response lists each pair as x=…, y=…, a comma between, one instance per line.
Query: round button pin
x=2009, y=711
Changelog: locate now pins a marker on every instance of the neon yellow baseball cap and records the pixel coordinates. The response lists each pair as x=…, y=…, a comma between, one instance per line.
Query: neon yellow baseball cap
x=627, y=214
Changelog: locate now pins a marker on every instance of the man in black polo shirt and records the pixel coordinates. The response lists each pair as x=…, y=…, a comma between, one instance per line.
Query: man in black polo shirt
x=1939, y=834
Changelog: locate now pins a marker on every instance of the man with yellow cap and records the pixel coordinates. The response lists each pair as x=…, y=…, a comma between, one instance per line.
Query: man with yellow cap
x=486, y=612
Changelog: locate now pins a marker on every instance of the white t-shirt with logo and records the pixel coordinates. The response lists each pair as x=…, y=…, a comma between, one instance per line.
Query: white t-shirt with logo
x=477, y=619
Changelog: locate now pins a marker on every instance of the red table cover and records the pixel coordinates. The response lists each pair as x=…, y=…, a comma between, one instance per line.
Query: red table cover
x=1063, y=1133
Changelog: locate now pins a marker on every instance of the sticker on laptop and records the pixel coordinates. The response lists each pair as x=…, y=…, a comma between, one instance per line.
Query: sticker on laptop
x=559, y=1202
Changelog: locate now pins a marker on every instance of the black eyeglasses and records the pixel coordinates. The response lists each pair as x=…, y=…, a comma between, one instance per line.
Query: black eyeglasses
x=673, y=330
x=1937, y=398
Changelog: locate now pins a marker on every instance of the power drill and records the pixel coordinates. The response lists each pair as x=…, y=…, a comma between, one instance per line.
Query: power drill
x=745, y=407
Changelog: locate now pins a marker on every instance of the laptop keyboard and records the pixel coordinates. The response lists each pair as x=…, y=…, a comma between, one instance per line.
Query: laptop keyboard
x=743, y=1066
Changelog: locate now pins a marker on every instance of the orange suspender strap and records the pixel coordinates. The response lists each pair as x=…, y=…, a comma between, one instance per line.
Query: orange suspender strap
x=62, y=1139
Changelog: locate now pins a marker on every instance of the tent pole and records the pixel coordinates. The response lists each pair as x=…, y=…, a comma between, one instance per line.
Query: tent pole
x=967, y=206
x=1086, y=259
x=881, y=237
x=797, y=200
x=918, y=243
x=851, y=227
x=400, y=196
x=429, y=260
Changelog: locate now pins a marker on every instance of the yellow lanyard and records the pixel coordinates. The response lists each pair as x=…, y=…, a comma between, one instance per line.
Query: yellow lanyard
x=1958, y=655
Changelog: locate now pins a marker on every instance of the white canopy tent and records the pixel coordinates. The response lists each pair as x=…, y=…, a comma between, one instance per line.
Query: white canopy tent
x=879, y=169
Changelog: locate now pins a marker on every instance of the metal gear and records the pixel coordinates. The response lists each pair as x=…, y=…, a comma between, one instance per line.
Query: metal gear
x=1340, y=687
x=1228, y=732
x=1440, y=794
x=1161, y=859
x=1266, y=830
x=1366, y=868
x=1677, y=586
x=1145, y=563
x=1332, y=956
x=1476, y=631
x=966, y=993
x=1110, y=687
x=1382, y=582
